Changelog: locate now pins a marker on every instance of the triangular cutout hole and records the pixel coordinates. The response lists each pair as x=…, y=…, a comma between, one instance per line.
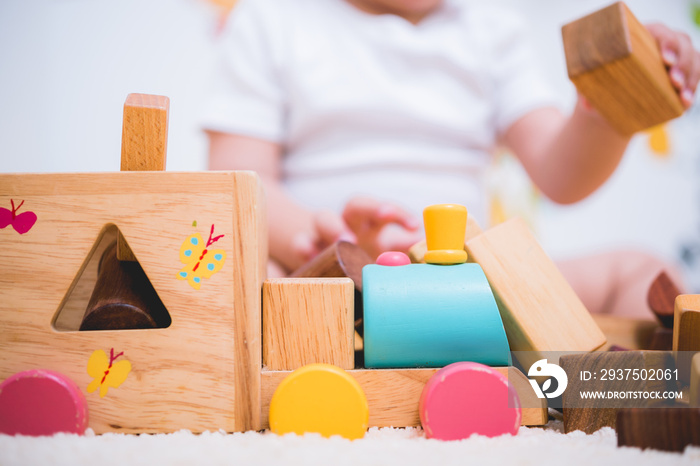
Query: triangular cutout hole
x=108, y=294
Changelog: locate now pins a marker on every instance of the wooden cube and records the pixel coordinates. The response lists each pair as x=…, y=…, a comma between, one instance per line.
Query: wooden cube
x=306, y=321
x=590, y=415
x=686, y=332
x=615, y=63
x=540, y=310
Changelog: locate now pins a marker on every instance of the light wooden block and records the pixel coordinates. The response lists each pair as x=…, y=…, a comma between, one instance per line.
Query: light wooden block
x=540, y=310
x=308, y=320
x=145, y=132
x=695, y=381
x=417, y=252
x=626, y=332
x=200, y=373
x=144, y=143
x=615, y=63
x=393, y=395
x=686, y=332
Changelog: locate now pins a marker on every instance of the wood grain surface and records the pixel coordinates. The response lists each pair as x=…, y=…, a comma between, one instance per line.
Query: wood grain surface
x=393, y=394
x=540, y=310
x=615, y=63
x=307, y=321
x=202, y=372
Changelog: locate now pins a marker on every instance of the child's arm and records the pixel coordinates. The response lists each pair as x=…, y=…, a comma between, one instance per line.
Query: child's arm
x=296, y=234
x=570, y=158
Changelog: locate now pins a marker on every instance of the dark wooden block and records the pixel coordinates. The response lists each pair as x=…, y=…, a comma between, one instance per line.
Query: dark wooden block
x=123, y=298
x=593, y=414
x=661, y=297
x=341, y=259
x=669, y=429
x=661, y=340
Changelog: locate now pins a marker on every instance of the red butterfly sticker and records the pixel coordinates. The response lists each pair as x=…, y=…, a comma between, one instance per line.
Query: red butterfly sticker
x=22, y=223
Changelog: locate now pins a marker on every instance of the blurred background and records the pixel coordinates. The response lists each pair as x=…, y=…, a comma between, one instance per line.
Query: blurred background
x=66, y=67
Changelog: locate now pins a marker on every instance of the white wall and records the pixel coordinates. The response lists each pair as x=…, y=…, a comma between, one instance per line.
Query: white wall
x=66, y=67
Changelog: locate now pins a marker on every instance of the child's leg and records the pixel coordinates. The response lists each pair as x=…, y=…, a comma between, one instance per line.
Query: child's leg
x=616, y=282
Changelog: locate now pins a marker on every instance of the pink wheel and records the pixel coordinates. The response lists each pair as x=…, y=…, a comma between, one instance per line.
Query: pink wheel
x=41, y=402
x=468, y=398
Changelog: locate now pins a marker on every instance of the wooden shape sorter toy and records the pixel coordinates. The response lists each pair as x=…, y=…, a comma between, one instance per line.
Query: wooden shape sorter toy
x=203, y=371
x=200, y=238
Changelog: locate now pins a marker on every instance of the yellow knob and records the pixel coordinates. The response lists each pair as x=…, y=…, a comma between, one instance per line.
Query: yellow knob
x=445, y=226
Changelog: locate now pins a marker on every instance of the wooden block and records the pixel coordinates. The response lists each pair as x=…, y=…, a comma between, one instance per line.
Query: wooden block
x=686, y=332
x=425, y=315
x=200, y=373
x=589, y=415
x=144, y=143
x=668, y=429
x=467, y=398
x=394, y=395
x=417, y=252
x=694, y=390
x=615, y=63
x=540, y=311
x=661, y=299
x=319, y=398
x=340, y=259
x=123, y=297
x=41, y=402
x=626, y=332
x=307, y=321
x=145, y=132
x=661, y=340
x=686, y=328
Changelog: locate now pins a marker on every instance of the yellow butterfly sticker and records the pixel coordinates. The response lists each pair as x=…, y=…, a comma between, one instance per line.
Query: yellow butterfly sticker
x=106, y=372
x=200, y=261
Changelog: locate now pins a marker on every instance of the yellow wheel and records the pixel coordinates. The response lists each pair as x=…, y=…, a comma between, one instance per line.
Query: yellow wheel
x=319, y=398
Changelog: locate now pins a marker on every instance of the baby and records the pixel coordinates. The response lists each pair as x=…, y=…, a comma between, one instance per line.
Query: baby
x=356, y=114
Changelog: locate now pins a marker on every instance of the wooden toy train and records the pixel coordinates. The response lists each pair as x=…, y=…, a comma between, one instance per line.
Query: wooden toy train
x=199, y=240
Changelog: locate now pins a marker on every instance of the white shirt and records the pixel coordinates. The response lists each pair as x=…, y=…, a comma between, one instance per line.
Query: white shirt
x=372, y=104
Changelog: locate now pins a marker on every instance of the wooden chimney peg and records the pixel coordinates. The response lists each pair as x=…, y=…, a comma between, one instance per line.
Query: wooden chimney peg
x=144, y=143
x=615, y=63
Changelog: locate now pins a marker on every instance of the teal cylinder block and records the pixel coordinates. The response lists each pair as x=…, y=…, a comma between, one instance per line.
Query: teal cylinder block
x=424, y=315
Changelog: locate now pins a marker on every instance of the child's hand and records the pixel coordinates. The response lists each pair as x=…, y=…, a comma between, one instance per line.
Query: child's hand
x=328, y=228
x=682, y=60
x=380, y=227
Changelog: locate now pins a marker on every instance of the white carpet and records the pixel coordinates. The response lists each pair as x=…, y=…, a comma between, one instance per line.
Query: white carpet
x=534, y=446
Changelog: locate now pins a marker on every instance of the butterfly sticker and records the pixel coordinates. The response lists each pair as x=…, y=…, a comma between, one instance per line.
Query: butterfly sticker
x=22, y=223
x=200, y=261
x=107, y=374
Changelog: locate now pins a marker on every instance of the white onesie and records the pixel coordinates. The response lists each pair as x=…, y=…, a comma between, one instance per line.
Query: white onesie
x=372, y=104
